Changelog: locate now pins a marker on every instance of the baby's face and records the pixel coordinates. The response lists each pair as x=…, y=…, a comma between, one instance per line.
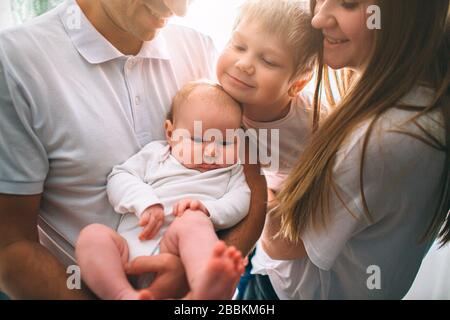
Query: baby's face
x=203, y=133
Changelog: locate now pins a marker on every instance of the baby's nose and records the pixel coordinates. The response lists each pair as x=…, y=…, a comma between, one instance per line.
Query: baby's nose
x=210, y=150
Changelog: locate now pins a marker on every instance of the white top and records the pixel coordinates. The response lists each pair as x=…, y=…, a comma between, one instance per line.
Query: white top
x=73, y=106
x=154, y=176
x=356, y=259
x=286, y=138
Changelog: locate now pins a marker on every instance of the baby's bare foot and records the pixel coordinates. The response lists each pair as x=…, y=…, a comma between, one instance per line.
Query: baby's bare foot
x=145, y=295
x=220, y=276
x=127, y=295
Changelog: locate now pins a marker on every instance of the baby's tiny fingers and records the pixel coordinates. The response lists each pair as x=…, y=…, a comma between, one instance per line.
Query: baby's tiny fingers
x=175, y=209
x=195, y=205
x=144, y=219
x=185, y=205
x=147, y=231
x=181, y=206
x=156, y=229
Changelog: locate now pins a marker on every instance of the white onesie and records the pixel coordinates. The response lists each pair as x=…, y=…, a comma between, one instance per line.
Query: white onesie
x=154, y=176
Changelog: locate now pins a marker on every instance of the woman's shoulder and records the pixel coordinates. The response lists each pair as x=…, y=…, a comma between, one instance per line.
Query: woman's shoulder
x=399, y=137
x=409, y=117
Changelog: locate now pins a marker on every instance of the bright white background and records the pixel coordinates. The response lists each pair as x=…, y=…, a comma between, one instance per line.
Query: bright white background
x=5, y=14
x=212, y=17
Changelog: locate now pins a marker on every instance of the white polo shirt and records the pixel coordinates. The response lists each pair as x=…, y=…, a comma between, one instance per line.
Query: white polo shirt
x=72, y=106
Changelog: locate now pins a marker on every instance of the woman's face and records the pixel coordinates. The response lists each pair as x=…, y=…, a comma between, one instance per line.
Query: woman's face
x=347, y=39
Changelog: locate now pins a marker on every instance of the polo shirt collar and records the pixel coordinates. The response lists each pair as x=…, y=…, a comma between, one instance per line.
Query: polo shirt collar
x=93, y=46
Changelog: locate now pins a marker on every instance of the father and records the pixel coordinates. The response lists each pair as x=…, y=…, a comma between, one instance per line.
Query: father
x=82, y=88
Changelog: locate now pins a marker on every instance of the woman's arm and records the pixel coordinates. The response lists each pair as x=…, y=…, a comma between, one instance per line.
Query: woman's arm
x=279, y=248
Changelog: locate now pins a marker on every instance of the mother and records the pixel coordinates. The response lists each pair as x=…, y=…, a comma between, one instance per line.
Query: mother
x=371, y=192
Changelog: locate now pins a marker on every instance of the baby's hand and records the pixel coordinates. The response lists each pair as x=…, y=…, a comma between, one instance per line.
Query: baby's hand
x=151, y=221
x=183, y=205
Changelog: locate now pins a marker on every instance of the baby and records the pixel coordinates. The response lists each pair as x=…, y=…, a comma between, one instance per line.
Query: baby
x=173, y=195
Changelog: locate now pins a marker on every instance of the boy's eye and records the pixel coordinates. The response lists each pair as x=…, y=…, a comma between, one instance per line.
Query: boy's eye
x=269, y=62
x=238, y=47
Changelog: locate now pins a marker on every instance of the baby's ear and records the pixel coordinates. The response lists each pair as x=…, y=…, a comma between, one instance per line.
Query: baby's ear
x=168, y=127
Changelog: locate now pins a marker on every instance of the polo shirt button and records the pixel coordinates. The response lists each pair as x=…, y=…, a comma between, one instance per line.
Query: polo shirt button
x=130, y=63
x=137, y=100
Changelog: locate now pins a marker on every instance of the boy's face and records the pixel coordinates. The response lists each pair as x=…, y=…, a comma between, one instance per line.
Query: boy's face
x=199, y=135
x=143, y=18
x=256, y=67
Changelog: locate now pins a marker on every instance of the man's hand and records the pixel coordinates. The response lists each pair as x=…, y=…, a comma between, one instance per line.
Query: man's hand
x=183, y=205
x=151, y=220
x=170, y=281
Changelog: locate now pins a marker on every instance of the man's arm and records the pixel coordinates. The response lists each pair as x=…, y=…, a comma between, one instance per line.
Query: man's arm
x=245, y=234
x=27, y=269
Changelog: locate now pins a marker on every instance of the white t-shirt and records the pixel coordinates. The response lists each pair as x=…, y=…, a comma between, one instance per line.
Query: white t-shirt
x=356, y=259
x=286, y=138
x=72, y=106
x=154, y=176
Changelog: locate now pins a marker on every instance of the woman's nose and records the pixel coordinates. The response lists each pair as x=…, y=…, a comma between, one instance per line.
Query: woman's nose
x=323, y=16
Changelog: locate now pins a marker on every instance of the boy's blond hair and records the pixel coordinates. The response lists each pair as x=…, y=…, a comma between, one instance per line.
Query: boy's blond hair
x=289, y=20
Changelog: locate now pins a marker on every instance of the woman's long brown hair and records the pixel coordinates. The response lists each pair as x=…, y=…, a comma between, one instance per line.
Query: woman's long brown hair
x=412, y=48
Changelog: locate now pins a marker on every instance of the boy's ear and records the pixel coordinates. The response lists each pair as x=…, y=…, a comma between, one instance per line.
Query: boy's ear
x=168, y=127
x=299, y=85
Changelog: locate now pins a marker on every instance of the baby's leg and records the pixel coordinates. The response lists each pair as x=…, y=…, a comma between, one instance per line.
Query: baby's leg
x=101, y=254
x=212, y=268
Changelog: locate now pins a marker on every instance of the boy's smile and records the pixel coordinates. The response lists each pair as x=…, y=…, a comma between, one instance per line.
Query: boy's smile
x=256, y=69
